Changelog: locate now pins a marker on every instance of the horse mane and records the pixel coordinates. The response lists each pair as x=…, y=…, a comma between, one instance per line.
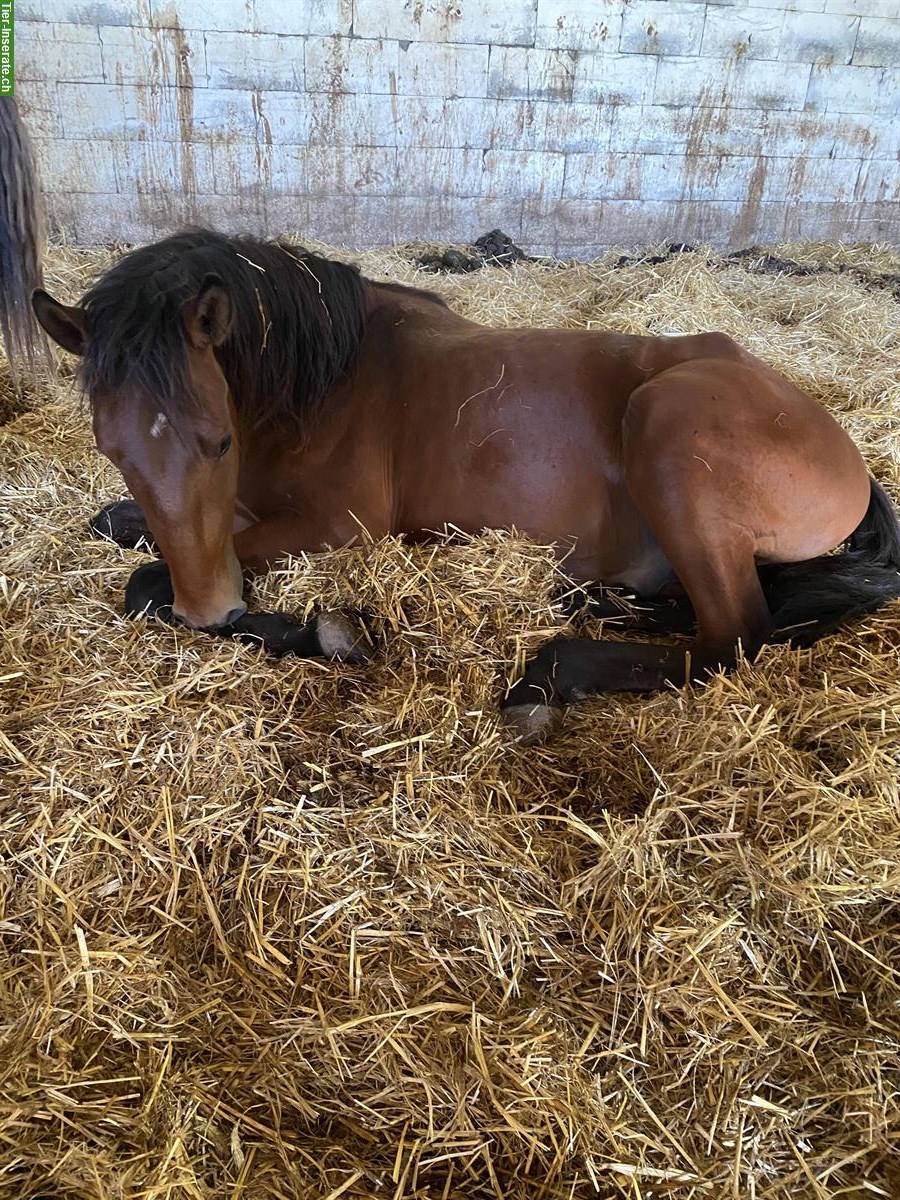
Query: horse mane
x=298, y=320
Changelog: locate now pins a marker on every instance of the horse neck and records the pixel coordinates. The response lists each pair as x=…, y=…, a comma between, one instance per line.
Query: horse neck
x=395, y=317
x=401, y=301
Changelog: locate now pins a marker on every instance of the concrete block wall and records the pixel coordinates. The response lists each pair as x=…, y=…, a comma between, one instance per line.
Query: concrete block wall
x=571, y=124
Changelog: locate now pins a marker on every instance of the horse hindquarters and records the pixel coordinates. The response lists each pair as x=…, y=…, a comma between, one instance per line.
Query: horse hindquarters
x=726, y=463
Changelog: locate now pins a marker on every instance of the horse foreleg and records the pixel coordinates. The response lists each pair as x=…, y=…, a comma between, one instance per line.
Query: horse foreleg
x=149, y=592
x=266, y=542
x=124, y=523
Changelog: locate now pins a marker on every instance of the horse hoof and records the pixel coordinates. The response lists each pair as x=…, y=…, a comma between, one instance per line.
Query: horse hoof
x=122, y=522
x=339, y=638
x=532, y=723
x=149, y=592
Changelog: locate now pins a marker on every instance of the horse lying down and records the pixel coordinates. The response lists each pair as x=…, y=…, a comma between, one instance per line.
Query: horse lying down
x=262, y=401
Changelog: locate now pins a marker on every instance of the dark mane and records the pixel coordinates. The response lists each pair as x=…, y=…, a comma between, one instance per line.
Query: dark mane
x=298, y=321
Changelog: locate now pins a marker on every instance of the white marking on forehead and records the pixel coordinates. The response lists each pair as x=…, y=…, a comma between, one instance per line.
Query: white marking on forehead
x=159, y=425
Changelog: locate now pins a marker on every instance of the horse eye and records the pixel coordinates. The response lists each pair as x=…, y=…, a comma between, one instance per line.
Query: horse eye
x=225, y=446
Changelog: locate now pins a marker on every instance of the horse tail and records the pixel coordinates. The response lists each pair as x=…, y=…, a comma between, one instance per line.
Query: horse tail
x=21, y=242
x=811, y=599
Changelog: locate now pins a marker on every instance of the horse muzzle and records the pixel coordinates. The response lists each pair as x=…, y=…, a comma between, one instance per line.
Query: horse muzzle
x=214, y=626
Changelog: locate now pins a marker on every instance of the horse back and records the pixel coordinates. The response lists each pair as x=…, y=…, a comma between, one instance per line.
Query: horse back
x=507, y=427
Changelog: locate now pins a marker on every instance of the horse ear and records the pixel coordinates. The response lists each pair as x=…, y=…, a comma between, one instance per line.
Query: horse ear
x=65, y=324
x=208, y=316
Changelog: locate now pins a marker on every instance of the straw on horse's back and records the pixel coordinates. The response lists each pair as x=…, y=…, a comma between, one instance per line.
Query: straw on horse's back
x=21, y=241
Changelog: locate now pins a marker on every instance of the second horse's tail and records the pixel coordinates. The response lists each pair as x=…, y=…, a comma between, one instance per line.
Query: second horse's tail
x=21, y=242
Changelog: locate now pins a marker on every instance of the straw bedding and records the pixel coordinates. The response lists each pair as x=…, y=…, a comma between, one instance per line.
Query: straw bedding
x=288, y=929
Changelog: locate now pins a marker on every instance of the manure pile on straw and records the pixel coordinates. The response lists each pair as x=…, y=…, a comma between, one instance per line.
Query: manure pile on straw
x=287, y=929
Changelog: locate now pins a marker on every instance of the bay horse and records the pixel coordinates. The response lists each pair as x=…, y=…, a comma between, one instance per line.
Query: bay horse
x=21, y=242
x=261, y=400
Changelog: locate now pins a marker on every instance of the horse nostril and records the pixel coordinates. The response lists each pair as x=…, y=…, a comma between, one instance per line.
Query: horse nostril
x=235, y=614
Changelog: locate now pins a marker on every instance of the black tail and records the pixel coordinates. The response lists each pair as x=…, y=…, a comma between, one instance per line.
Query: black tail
x=811, y=599
x=21, y=238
